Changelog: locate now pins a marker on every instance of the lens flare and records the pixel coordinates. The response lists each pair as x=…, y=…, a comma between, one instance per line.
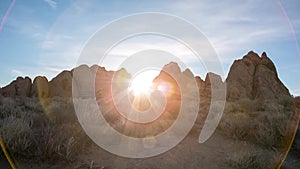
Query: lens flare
x=164, y=88
x=142, y=83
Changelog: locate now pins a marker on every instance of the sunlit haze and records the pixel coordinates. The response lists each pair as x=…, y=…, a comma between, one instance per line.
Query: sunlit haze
x=142, y=82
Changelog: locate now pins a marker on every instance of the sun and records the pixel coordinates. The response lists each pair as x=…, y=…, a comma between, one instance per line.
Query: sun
x=141, y=84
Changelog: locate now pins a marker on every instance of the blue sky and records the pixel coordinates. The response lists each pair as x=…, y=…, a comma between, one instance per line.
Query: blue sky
x=44, y=37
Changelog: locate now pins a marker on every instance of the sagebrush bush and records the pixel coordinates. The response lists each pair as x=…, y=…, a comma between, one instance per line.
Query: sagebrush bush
x=235, y=125
x=266, y=128
x=31, y=133
x=266, y=124
x=61, y=142
x=246, y=105
x=272, y=129
x=252, y=158
x=267, y=131
x=18, y=136
x=61, y=111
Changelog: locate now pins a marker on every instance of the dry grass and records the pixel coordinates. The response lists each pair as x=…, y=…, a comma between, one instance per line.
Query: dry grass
x=51, y=133
x=250, y=159
x=31, y=133
x=268, y=126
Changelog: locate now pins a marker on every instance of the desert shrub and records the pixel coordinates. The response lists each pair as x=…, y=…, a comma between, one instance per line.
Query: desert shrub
x=268, y=137
x=273, y=108
x=33, y=104
x=61, y=143
x=7, y=100
x=272, y=128
x=235, y=125
x=229, y=107
x=251, y=158
x=8, y=107
x=232, y=107
x=17, y=134
x=266, y=129
x=246, y=105
x=267, y=124
x=61, y=111
x=287, y=102
x=259, y=105
x=242, y=105
x=216, y=108
x=278, y=160
x=29, y=134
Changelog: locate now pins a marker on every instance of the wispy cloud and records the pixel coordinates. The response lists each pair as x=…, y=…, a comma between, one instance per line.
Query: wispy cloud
x=235, y=25
x=51, y=3
x=232, y=27
x=16, y=72
x=27, y=27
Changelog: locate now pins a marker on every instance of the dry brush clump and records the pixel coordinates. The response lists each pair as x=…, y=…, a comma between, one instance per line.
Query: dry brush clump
x=253, y=158
x=268, y=125
x=50, y=133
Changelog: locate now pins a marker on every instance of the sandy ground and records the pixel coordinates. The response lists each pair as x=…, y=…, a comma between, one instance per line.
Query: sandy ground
x=188, y=154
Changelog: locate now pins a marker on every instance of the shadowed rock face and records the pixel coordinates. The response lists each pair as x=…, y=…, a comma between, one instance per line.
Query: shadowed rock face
x=40, y=87
x=9, y=90
x=61, y=85
x=212, y=81
x=297, y=101
x=19, y=87
x=254, y=77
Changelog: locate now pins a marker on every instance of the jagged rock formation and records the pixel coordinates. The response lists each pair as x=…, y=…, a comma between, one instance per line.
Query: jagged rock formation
x=82, y=76
x=61, y=85
x=40, y=87
x=19, y=87
x=212, y=81
x=9, y=90
x=254, y=77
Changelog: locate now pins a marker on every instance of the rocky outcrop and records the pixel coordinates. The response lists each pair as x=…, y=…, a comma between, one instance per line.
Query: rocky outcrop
x=254, y=77
x=19, y=87
x=200, y=83
x=61, y=85
x=240, y=78
x=266, y=84
x=102, y=81
x=214, y=80
x=23, y=86
x=9, y=90
x=40, y=87
x=172, y=67
x=83, y=76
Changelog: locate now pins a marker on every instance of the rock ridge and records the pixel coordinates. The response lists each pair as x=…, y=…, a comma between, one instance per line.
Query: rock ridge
x=253, y=77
